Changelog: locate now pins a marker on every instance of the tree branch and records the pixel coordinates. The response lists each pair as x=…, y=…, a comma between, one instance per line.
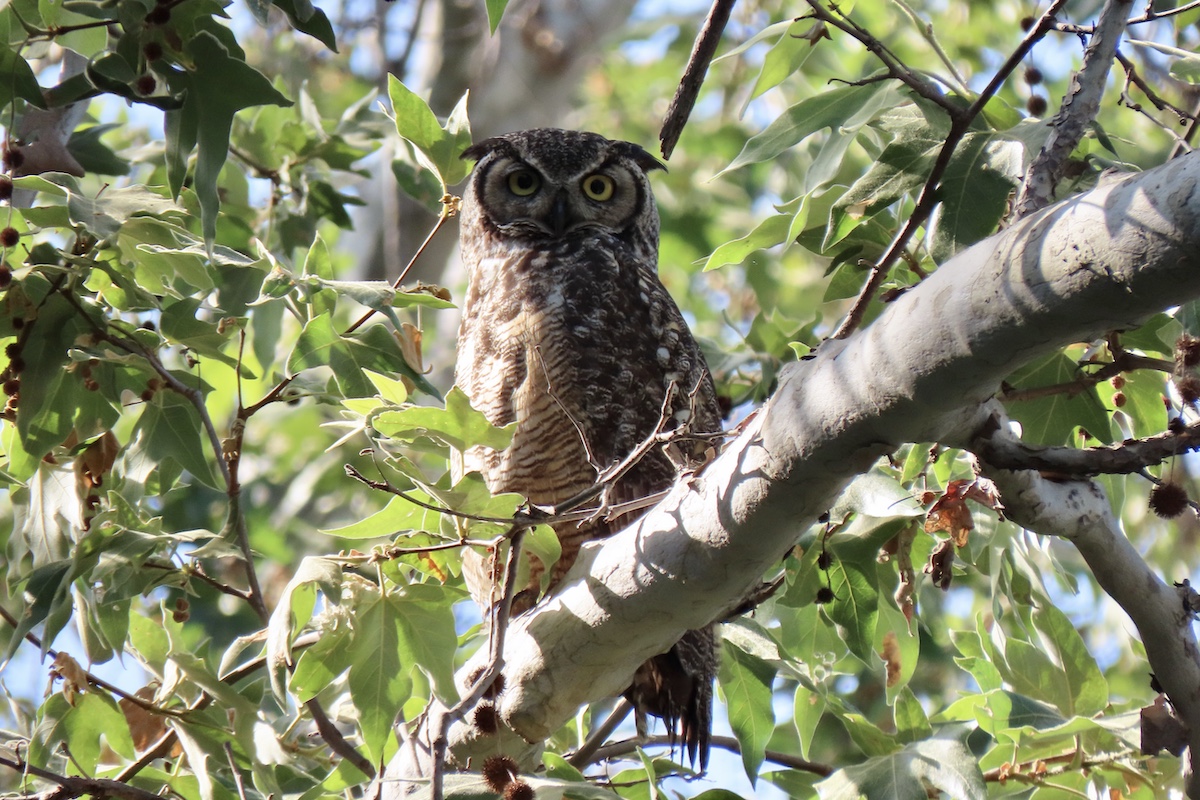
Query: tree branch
x=1104, y=260
x=1078, y=110
x=1080, y=512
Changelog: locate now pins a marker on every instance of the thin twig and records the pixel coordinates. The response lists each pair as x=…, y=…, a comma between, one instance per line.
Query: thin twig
x=499, y=629
x=627, y=746
x=93, y=680
x=693, y=75
x=960, y=123
x=1126, y=458
x=1150, y=16
x=1078, y=109
x=448, y=210
x=72, y=786
x=596, y=739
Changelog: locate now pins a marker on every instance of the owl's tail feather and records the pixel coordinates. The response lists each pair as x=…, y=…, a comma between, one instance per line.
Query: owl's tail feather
x=678, y=687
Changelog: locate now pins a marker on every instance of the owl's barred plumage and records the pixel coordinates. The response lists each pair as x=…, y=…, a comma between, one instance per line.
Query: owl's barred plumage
x=568, y=331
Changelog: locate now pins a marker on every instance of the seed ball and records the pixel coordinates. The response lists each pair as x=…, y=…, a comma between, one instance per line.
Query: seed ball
x=498, y=771
x=1027, y=23
x=1168, y=499
x=824, y=595
x=1119, y=399
x=9, y=237
x=12, y=386
x=13, y=157
x=1033, y=76
x=519, y=790
x=6, y=188
x=486, y=719
x=152, y=51
x=1036, y=105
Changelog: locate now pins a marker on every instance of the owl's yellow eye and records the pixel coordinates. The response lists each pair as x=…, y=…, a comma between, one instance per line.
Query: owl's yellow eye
x=523, y=182
x=598, y=187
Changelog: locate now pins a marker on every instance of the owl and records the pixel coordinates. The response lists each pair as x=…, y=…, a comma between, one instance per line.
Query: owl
x=568, y=332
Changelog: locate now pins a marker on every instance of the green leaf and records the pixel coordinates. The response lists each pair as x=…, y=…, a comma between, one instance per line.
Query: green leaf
x=1051, y=419
x=320, y=345
x=440, y=147
x=458, y=425
x=943, y=762
x=169, y=430
x=784, y=58
x=428, y=637
x=49, y=394
x=855, y=606
x=495, y=11
x=911, y=723
x=17, y=80
x=313, y=573
x=1085, y=691
x=770, y=232
x=307, y=18
x=974, y=192
x=83, y=727
x=379, y=680
x=807, y=709
x=846, y=108
x=219, y=86
x=322, y=663
x=746, y=683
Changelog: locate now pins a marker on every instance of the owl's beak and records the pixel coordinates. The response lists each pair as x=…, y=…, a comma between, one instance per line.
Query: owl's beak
x=560, y=214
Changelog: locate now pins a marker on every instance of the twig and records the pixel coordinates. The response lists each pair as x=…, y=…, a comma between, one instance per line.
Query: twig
x=726, y=742
x=1080, y=512
x=693, y=75
x=1078, y=109
x=1150, y=16
x=337, y=743
x=1123, y=361
x=93, y=680
x=1126, y=458
x=441, y=725
x=596, y=739
x=449, y=209
x=896, y=68
x=70, y=786
x=960, y=123
x=233, y=768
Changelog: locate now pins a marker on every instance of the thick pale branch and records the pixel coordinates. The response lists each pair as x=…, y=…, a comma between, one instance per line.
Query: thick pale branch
x=1079, y=511
x=1103, y=260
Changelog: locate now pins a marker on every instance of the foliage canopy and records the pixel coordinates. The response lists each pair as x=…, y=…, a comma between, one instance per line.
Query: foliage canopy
x=195, y=376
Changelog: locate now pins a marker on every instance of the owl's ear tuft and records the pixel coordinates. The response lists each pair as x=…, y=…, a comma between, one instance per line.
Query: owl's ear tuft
x=641, y=156
x=480, y=149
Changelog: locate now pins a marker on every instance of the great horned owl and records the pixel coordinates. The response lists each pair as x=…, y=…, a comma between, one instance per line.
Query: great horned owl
x=568, y=331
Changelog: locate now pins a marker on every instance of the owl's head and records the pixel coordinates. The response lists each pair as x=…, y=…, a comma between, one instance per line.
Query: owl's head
x=548, y=184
